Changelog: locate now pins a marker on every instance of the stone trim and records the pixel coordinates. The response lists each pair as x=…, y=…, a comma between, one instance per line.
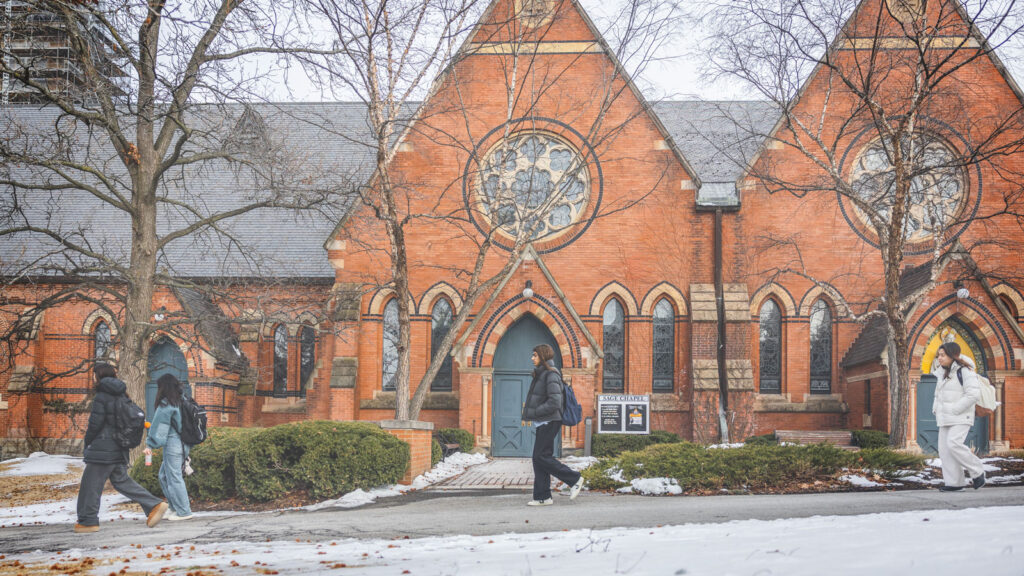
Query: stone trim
x=405, y=425
x=705, y=375
x=782, y=297
x=736, y=303
x=284, y=406
x=665, y=402
x=345, y=302
x=664, y=290
x=344, y=371
x=21, y=379
x=832, y=297
x=740, y=374
x=389, y=400
x=702, y=302
x=428, y=299
x=823, y=403
x=613, y=289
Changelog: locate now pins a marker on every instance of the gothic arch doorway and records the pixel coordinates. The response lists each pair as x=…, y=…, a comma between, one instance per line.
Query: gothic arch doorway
x=513, y=372
x=951, y=330
x=164, y=358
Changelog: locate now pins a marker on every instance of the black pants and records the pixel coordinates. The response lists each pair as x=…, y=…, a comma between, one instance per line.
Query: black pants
x=544, y=463
x=95, y=477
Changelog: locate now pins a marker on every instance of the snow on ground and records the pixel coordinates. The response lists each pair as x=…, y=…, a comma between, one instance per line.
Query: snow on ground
x=41, y=464
x=936, y=543
x=652, y=487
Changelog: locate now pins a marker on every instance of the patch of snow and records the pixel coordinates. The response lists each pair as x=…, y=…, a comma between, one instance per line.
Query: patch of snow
x=41, y=464
x=652, y=487
x=579, y=463
x=860, y=481
x=1004, y=479
x=615, y=473
x=733, y=445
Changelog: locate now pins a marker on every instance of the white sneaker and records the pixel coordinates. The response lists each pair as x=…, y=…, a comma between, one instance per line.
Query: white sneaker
x=547, y=502
x=575, y=491
x=174, y=516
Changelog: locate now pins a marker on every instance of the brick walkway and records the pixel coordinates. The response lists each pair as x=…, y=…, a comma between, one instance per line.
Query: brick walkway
x=498, y=474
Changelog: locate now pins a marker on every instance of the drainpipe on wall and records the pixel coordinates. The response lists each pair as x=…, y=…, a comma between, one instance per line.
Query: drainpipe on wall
x=723, y=379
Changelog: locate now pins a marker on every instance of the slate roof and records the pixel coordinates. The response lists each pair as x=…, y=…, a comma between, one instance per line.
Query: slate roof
x=326, y=147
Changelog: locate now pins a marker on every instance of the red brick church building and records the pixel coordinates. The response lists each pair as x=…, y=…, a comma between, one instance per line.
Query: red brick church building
x=649, y=275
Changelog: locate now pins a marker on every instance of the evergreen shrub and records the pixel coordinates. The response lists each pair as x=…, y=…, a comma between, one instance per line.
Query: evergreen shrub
x=762, y=440
x=325, y=458
x=889, y=463
x=464, y=438
x=435, y=452
x=607, y=445
x=870, y=439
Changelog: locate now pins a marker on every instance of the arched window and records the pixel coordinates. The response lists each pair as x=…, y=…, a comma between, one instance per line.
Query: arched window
x=821, y=348
x=280, y=359
x=1005, y=300
x=614, y=340
x=389, y=358
x=101, y=341
x=440, y=324
x=771, y=348
x=307, y=356
x=664, y=346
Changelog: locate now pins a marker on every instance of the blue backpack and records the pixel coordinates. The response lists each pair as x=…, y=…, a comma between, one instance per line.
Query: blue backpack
x=572, y=412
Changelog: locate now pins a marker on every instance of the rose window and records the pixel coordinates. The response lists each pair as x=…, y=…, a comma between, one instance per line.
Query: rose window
x=535, y=184
x=937, y=185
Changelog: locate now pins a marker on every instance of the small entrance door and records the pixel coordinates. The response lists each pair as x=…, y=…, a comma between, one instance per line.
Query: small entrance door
x=513, y=372
x=165, y=358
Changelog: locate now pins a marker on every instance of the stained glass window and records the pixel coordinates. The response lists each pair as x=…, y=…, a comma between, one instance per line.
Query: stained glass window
x=390, y=356
x=771, y=348
x=614, y=347
x=280, y=359
x=101, y=340
x=440, y=324
x=307, y=356
x=664, y=346
x=821, y=348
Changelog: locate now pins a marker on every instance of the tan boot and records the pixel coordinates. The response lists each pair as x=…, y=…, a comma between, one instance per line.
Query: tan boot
x=82, y=529
x=156, y=514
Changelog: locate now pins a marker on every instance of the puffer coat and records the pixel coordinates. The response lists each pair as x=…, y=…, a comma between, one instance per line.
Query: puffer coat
x=544, y=400
x=100, y=447
x=954, y=403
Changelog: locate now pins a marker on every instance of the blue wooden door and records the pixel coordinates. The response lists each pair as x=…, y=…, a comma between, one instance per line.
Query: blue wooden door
x=513, y=372
x=928, y=429
x=165, y=358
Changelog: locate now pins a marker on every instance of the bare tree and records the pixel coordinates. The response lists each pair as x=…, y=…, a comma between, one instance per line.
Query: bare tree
x=102, y=175
x=390, y=51
x=892, y=78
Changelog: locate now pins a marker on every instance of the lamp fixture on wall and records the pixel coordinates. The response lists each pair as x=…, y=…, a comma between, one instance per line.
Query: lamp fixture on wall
x=160, y=314
x=962, y=292
x=528, y=291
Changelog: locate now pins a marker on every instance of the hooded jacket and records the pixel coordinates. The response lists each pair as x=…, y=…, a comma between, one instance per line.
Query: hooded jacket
x=544, y=400
x=100, y=447
x=954, y=403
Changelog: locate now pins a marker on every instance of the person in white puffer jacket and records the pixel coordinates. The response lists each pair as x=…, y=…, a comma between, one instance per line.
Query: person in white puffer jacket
x=954, y=413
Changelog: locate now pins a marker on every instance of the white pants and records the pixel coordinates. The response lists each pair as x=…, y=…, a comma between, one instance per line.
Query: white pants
x=956, y=455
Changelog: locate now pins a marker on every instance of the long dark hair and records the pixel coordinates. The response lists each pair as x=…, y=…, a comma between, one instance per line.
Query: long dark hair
x=952, y=349
x=546, y=354
x=168, y=388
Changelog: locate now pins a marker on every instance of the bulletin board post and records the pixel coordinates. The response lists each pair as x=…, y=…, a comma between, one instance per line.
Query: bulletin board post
x=623, y=414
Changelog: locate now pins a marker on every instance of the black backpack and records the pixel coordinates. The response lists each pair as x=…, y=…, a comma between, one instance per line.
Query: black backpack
x=193, y=422
x=129, y=422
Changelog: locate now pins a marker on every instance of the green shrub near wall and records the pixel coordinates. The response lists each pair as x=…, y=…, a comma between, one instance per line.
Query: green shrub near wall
x=435, y=452
x=607, y=445
x=464, y=438
x=326, y=458
x=751, y=467
x=762, y=440
x=213, y=462
x=870, y=439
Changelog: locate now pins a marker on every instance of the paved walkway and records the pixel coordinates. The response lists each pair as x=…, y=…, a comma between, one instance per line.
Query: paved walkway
x=498, y=474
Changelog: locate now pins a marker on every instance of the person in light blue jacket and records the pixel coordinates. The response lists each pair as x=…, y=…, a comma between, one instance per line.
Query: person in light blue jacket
x=164, y=433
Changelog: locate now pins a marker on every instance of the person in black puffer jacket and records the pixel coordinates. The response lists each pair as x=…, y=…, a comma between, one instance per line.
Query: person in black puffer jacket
x=543, y=407
x=105, y=460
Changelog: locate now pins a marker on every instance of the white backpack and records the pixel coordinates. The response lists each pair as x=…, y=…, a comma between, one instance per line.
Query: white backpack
x=987, y=403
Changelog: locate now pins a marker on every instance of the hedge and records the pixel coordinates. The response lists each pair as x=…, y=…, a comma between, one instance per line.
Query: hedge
x=607, y=445
x=325, y=458
x=213, y=462
x=435, y=452
x=758, y=467
x=464, y=438
x=870, y=439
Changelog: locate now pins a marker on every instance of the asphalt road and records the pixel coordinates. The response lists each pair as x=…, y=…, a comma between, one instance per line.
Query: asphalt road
x=435, y=513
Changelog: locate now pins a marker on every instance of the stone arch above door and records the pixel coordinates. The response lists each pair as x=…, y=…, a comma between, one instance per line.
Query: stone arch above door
x=508, y=313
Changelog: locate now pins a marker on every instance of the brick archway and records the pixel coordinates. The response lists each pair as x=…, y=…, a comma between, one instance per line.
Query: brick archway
x=514, y=309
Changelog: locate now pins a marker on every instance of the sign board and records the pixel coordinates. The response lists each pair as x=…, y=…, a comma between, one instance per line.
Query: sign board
x=623, y=414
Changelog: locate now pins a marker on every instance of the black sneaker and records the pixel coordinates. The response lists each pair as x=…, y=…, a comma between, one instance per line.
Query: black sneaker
x=945, y=488
x=979, y=481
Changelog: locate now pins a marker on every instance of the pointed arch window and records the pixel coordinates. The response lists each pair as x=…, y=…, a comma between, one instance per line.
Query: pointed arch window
x=821, y=348
x=307, y=356
x=441, y=318
x=101, y=341
x=389, y=357
x=770, y=348
x=664, y=346
x=614, y=342
x=280, y=359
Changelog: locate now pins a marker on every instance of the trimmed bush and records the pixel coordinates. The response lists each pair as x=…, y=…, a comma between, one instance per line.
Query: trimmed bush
x=608, y=445
x=325, y=458
x=435, y=452
x=890, y=464
x=213, y=462
x=867, y=439
x=464, y=438
x=762, y=440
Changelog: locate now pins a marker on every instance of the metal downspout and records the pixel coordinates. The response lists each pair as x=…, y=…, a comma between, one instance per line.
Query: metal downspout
x=723, y=379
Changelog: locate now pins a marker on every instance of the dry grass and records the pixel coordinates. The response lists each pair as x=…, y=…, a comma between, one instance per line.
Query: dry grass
x=25, y=490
